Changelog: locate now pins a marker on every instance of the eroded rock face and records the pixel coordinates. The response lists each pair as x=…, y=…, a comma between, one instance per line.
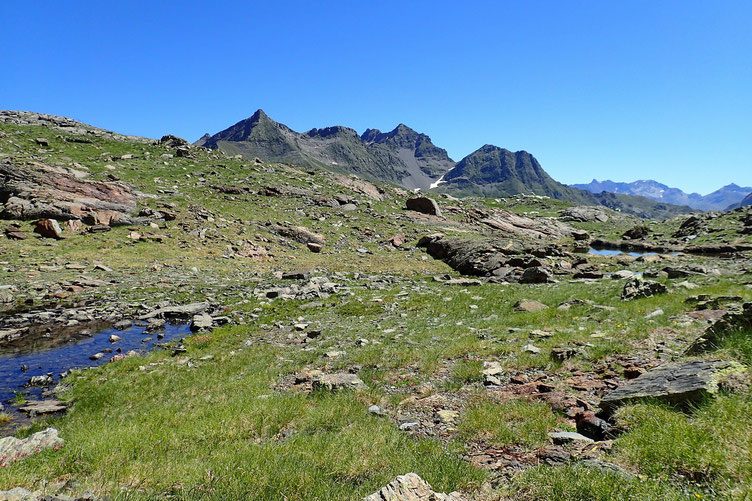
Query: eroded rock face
x=411, y=487
x=636, y=288
x=518, y=224
x=41, y=191
x=675, y=383
x=12, y=449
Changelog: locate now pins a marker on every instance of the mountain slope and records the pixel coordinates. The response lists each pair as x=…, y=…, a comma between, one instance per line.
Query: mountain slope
x=402, y=156
x=718, y=200
x=497, y=172
x=745, y=202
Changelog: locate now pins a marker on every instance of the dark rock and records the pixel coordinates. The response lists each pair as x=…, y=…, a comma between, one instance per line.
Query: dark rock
x=732, y=321
x=173, y=141
x=637, y=232
x=580, y=235
x=424, y=205
x=676, y=383
x=590, y=425
x=536, y=275
x=637, y=288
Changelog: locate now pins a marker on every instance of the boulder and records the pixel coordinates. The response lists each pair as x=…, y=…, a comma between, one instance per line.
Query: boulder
x=49, y=228
x=185, y=311
x=337, y=382
x=423, y=205
x=203, y=322
x=411, y=487
x=300, y=234
x=584, y=214
x=676, y=383
x=536, y=275
x=637, y=288
x=12, y=449
x=637, y=232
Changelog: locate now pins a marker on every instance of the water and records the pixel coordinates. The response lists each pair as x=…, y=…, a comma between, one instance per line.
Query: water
x=43, y=356
x=612, y=252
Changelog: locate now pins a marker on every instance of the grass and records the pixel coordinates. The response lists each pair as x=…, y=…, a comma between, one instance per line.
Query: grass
x=516, y=422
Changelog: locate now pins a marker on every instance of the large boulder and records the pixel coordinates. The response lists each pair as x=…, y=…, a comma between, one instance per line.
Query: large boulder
x=300, y=234
x=676, y=383
x=636, y=287
x=12, y=449
x=424, y=205
x=34, y=190
x=411, y=487
x=49, y=228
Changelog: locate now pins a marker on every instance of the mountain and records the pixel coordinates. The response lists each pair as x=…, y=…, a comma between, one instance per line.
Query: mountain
x=746, y=201
x=718, y=200
x=497, y=172
x=402, y=156
x=409, y=159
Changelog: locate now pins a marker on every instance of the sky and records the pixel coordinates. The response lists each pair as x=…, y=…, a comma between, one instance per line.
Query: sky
x=619, y=90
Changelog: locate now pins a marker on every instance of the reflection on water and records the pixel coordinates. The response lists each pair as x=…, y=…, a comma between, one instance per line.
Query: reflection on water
x=612, y=252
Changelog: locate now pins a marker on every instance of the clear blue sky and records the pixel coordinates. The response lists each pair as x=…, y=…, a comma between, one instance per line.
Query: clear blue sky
x=623, y=90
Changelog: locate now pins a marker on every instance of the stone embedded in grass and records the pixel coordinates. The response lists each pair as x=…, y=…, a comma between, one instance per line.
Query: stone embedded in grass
x=411, y=487
x=38, y=407
x=529, y=348
x=638, y=288
x=203, y=322
x=536, y=275
x=337, y=382
x=529, y=305
x=49, y=228
x=732, y=321
x=681, y=384
x=447, y=416
x=566, y=437
x=12, y=449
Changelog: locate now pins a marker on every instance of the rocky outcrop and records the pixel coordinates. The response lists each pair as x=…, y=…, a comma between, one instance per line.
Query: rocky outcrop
x=67, y=125
x=510, y=222
x=676, y=383
x=35, y=190
x=411, y=487
x=12, y=449
x=636, y=288
x=584, y=214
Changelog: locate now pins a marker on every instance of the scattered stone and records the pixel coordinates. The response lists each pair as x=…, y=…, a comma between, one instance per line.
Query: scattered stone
x=529, y=305
x=13, y=449
x=638, y=288
x=44, y=380
x=96, y=356
x=203, y=322
x=423, y=205
x=529, y=348
x=337, y=382
x=622, y=275
x=654, y=314
x=315, y=248
x=375, y=409
x=732, y=321
x=447, y=416
x=562, y=353
x=411, y=487
x=637, y=232
x=675, y=383
x=185, y=311
x=566, y=437
x=39, y=407
x=114, y=338
x=536, y=275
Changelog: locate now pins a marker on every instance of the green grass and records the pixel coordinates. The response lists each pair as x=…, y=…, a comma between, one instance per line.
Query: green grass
x=507, y=423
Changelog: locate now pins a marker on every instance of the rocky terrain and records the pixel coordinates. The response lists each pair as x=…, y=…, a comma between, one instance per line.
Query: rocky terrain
x=307, y=334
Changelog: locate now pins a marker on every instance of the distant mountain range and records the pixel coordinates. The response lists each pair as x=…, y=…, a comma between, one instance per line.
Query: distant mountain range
x=409, y=159
x=720, y=199
x=746, y=201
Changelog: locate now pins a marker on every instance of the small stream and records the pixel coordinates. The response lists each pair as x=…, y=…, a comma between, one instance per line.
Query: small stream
x=50, y=354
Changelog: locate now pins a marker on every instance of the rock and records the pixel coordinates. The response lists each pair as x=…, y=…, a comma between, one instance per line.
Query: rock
x=42, y=141
x=96, y=356
x=300, y=234
x=584, y=214
x=529, y=305
x=15, y=234
x=315, y=248
x=337, y=382
x=675, y=383
x=654, y=314
x=12, y=449
x=447, y=416
x=173, y=141
x=562, y=353
x=6, y=297
x=114, y=338
x=580, y=235
x=423, y=205
x=123, y=325
x=34, y=190
x=411, y=487
x=184, y=311
x=638, y=288
x=622, y=275
x=49, y=228
x=637, y=232
x=375, y=409
x=45, y=380
x=566, y=437
x=37, y=407
x=203, y=322
x=397, y=240
x=536, y=275
x=590, y=425
x=732, y=321
x=529, y=348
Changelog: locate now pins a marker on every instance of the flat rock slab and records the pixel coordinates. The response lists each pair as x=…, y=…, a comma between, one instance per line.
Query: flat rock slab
x=185, y=311
x=12, y=448
x=43, y=407
x=411, y=487
x=676, y=383
x=337, y=382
